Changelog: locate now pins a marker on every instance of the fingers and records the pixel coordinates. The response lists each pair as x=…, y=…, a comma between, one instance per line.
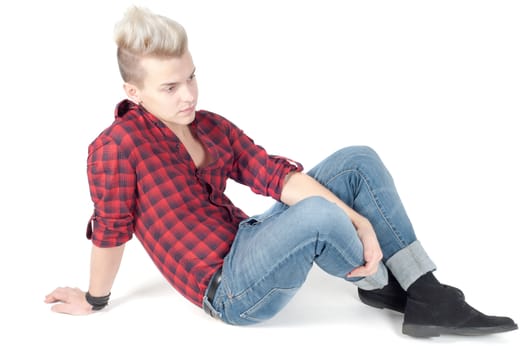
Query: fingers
x=53, y=296
x=372, y=258
x=372, y=254
x=59, y=294
x=358, y=272
x=63, y=294
x=365, y=270
x=68, y=301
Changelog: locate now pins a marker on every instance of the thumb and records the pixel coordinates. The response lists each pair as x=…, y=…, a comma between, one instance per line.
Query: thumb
x=357, y=272
x=70, y=309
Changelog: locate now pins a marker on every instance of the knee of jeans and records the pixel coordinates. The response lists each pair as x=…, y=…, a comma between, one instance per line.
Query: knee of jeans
x=367, y=160
x=367, y=153
x=318, y=212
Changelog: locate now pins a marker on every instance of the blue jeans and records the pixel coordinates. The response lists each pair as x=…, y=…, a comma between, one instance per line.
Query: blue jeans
x=273, y=252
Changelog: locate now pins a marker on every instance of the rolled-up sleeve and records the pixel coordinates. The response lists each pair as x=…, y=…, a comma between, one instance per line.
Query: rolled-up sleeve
x=254, y=167
x=112, y=184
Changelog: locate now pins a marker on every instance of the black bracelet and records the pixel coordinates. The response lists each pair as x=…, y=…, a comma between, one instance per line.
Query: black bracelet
x=97, y=303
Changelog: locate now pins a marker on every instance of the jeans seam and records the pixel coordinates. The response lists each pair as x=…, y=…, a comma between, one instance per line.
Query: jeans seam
x=245, y=314
x=230, y=295
x=375, y=200
x=313, y=242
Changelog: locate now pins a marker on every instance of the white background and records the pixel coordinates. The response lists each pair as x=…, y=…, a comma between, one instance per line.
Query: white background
x=438, y=88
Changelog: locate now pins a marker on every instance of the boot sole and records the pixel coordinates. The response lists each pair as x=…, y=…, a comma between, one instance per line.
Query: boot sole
x=425, y=331
x=379, y=303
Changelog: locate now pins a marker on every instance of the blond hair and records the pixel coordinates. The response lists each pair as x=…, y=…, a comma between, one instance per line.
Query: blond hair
x=142, y=33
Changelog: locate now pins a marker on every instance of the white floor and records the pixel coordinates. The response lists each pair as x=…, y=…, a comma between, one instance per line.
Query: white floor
x=146, y=313
x=437, y=88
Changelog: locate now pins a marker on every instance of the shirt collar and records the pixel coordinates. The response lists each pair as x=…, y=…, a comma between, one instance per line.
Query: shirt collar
x=126, y=106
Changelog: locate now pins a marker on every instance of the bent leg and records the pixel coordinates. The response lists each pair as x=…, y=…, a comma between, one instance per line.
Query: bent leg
x=273, y=253
x=358, y=177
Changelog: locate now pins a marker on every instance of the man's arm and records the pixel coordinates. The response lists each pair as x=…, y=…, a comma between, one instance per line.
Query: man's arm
x=298, y=186
x=104, y=266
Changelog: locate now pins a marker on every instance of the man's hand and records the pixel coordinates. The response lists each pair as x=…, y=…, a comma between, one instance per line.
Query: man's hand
x=372, y=252
x=69, y=301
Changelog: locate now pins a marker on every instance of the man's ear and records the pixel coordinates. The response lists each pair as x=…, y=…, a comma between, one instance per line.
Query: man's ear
x=132, y=92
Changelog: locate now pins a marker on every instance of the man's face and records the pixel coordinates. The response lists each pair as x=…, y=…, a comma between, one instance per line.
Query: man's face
x=170, y=90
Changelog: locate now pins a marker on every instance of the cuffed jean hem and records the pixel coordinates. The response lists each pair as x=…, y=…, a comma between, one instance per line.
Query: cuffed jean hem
x=410, y=263
x=378, y=280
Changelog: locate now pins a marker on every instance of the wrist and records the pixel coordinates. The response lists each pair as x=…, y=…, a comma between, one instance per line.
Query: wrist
x=362, y=224
x=97, y=303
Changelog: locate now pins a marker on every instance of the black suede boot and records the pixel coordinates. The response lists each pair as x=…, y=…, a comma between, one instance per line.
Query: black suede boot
x=392, y=296
x=432, y=310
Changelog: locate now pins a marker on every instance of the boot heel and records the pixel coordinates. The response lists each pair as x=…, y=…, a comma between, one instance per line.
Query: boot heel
x=420, y=331
x=371, y=301
x=383, y=301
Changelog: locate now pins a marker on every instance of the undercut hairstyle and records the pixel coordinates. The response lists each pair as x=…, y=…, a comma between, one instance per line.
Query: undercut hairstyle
x=141, y=33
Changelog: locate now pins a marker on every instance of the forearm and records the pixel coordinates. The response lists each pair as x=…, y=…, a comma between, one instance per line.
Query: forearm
x=104, y=265
x=299, y=186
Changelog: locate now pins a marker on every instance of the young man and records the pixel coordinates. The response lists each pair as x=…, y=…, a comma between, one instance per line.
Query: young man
x=160, y=171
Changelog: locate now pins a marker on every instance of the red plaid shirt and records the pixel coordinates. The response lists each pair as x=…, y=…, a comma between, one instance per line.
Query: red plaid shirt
x=143, y=182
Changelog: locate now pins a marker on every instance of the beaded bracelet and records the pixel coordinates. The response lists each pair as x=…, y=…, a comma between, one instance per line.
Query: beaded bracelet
x=97, y=303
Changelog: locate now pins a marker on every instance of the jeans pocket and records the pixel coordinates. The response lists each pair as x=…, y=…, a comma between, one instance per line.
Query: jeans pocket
x=269, y=305
x=254, y=220
x=249, y=222
x=277, y=208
